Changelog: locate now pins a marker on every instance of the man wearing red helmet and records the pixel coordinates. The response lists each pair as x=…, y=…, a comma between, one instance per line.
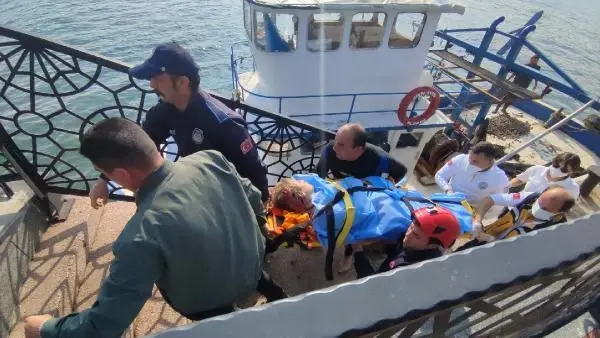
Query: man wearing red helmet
x=433, y=230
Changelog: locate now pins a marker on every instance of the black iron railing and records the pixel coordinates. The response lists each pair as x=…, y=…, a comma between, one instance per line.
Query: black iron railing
x=529, y=306
x=51, y=93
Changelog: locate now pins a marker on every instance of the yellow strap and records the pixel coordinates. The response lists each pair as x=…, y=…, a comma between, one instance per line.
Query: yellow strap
x=467, y=206
x=350, y=213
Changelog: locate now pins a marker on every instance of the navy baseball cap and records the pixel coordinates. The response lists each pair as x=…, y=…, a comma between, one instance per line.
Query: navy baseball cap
x=168, y=57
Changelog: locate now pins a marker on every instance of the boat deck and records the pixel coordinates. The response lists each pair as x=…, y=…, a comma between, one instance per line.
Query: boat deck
x=307, y=272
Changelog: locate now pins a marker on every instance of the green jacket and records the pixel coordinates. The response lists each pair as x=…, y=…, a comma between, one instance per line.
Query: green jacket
x=195, y=235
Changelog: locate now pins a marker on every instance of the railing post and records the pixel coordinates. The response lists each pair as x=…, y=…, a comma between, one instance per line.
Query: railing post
x=351, y=108
x=485, y=43
x=21, y=165
x=24, y=169
x=478, y=58
x=515, y=50
x=280, y=101
x=36, y=183
x=480, y=117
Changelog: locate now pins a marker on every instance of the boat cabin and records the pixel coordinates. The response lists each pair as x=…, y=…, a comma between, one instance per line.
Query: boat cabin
x=329, y=62
x=337, y=55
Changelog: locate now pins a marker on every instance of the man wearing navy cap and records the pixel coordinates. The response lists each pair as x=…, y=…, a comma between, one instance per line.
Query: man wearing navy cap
x=196, y=120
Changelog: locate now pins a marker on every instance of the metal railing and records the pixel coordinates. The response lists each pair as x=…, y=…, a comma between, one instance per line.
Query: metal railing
x=51, y=93
x=238, y=60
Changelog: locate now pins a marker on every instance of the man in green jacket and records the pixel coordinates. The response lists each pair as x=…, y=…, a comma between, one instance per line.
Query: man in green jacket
x=195, y=234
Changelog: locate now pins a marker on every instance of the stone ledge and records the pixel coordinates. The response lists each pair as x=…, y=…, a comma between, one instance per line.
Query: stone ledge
x=56, y=269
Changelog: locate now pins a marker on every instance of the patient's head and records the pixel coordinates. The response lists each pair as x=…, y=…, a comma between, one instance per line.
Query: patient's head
x=292, y=195
x=432, y=227
x=553, y=201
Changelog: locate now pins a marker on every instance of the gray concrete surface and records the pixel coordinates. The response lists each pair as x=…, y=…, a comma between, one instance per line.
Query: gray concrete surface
x=21, y=224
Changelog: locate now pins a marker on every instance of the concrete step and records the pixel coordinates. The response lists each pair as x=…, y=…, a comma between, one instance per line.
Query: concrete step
x=156, y=315
x=56, y=269
x=105, y=226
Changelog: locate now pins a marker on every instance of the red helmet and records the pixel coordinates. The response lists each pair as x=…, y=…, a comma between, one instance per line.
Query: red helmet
x=439, y=223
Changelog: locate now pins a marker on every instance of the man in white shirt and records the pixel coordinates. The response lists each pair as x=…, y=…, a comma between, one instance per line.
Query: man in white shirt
x=538, y=178
x=475, y=175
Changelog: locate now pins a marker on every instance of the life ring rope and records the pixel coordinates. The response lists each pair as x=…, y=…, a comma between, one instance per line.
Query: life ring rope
x=434, y=102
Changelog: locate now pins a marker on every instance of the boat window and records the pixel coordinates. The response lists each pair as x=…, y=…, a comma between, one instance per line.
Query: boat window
x=276, y=32
x=248, y=19
x=407, y=30
x=325, y=31
x=367, y=30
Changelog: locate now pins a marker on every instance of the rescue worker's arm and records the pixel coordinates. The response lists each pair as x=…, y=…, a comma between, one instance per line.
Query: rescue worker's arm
x=254, y=197
x=445, y=174
x=397, y=169
x=506, y=200
x=157, y=127
x=129, y=284
x=323, y=165
x=236, y=144
x=486, y=204
x=515, y=182
x=521, y=178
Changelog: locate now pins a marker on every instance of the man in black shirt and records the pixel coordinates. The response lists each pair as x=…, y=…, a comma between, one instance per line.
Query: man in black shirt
x=350, y=155
x=522, y=80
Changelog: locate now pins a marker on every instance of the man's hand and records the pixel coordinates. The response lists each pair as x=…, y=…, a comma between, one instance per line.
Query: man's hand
x=33, y=325
x=99, y=194
x=479, y=233
x=477, y=226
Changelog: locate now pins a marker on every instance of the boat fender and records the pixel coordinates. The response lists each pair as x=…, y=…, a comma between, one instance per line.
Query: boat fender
x=434, y=102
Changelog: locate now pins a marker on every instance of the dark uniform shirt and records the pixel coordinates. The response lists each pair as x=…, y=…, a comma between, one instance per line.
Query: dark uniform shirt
x=207, y=123
x=373, y=162
x=195, y=234
x=524, y=80
x=397, y=256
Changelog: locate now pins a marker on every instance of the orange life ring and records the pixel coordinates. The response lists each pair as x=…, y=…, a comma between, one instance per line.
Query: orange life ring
x=434, y=102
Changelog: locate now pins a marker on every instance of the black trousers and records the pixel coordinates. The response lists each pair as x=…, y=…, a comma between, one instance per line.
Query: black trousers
x=470, y=244
x=364, y=268
x=266, y=286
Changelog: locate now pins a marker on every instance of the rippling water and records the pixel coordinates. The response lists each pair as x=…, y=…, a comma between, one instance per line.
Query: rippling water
x=128, y=30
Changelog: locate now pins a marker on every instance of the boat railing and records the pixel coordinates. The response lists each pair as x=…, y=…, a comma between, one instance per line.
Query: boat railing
x=238, y=60
x=51, y=93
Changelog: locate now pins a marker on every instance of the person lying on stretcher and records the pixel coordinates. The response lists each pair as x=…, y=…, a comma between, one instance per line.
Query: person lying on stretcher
x=355, y=211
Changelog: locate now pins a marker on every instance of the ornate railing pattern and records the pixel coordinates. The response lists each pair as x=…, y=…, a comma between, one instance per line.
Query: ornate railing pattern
x=52, y=93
